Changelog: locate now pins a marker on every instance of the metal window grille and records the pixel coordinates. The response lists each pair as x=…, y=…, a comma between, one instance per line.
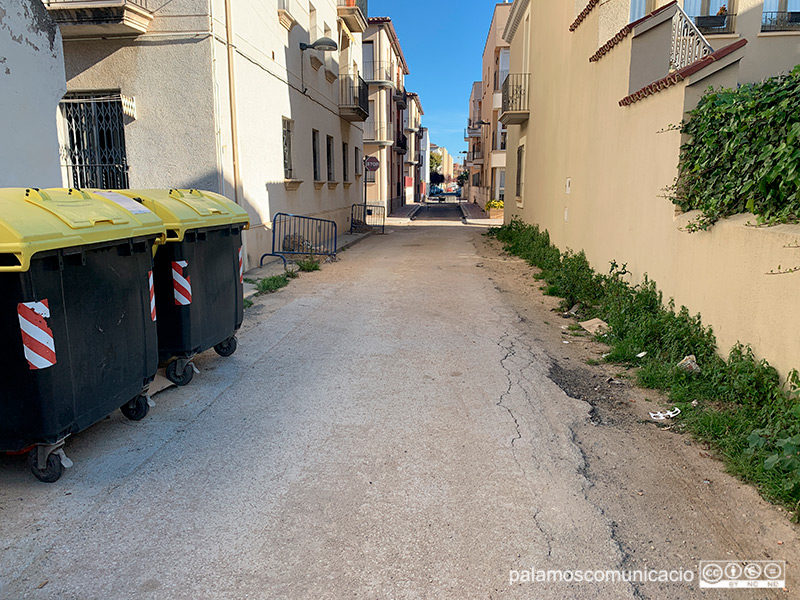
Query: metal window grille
x=315, y=151
x=288, y=172
x=345, y=174
x=358, y=161
x=94, y=149
x=329, y=152
x=520, y=168
x=370, y=175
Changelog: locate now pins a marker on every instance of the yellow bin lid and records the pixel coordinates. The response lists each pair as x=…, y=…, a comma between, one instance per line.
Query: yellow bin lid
x=34, y=220
x=182, y=210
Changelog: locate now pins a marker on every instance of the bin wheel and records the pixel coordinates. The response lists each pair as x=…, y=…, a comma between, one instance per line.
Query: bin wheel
x=226, y=347
x=182, y=378
x=52, y=472
x=136, y=409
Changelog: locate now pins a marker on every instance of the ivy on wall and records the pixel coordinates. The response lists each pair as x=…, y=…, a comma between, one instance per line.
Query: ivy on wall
x=743, y=154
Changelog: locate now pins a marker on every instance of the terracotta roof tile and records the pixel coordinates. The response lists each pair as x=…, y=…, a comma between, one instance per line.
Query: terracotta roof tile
x=681, y=74
x=625, y=32
x=583, y=14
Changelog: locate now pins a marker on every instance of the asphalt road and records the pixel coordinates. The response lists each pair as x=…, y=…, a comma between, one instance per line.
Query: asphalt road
x=388, y=428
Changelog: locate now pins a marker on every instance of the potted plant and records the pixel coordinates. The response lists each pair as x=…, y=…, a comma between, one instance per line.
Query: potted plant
x=494, y=208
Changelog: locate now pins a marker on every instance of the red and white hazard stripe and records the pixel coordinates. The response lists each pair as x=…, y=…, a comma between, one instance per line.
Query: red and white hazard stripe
x=152, y=296
x=241, y=266
x=181, y=284
x=37, y=337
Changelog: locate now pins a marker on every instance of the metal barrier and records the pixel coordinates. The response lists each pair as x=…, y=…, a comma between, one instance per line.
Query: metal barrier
x=296, y=235
x=366, y=217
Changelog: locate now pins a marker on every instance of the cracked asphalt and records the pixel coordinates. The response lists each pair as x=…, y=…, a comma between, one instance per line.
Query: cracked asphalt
x=393, y=426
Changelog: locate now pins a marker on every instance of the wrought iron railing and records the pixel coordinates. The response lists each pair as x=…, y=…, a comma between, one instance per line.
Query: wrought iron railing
x=401, y=143
x=354, y=92
x=515, y=92
x=499, y=79
x=714, y=24
x=376, y=133
x=688, y=43
x=140, y=3
x=780, y=21
x=377, y=70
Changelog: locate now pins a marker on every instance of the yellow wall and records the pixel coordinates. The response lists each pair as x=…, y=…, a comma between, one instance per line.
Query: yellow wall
x=619, y=161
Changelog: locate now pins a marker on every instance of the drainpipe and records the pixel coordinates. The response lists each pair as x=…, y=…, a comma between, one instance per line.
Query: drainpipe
x=232, y=100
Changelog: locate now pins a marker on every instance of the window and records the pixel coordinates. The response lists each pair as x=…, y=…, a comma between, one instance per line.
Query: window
x=287, y=150
x=329, y=152
x=95, y=140
x=312, y=24
x=345, y=174
x=370, y=177
x=520, y=170
x=781, y=15
x=315, y=151
x=358, y=161
x=501, y=184
x=640, y=8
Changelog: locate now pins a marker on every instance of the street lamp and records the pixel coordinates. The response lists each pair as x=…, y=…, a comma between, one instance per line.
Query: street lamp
x=323, y=44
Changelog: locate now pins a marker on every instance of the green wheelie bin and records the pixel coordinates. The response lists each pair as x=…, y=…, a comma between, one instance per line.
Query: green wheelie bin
x=76, y=317
x=198, y=275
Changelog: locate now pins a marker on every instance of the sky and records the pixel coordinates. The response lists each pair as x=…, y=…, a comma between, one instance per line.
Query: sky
x=443, y=42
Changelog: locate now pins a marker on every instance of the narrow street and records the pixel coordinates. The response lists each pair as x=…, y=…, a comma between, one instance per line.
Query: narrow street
x=394, y=426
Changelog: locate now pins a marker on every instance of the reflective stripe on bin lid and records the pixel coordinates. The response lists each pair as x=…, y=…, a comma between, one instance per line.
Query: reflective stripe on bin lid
x=37, y=337
x=183, y=210
x=33, y=220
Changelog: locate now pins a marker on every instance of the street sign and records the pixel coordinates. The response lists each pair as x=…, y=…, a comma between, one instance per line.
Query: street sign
x=372, y=163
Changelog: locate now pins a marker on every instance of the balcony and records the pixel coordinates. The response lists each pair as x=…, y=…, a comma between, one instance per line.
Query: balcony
x=353, y=13
x=400, y=97
x=472, y=132
x=715, y=24
x=515, y=108
x=379, y=72
x=475, y=157
x=354, y=98
x=401, y=144
x=92, y=18
x=780, y=21
x=376, y=134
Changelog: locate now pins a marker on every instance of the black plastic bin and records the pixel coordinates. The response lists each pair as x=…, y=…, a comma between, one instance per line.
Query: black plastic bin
x=79, y=336
x=198, y=275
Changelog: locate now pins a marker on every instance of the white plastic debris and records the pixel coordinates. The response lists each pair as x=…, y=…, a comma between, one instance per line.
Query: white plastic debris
x=660, y=416
x=689, y=364
x=641, y=354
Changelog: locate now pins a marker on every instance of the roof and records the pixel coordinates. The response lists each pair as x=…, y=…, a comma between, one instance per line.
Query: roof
x=415, y=97
x=681, y=74
x=497, y=11
x=387, y=23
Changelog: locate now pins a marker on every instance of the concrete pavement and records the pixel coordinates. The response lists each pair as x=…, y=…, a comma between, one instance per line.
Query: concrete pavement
x=366, y=441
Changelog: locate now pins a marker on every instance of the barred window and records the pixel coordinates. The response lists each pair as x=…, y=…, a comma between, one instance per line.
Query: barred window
x=520, y=169
x=345, y=174
x=329, y=151
x=315, y=152
x=288, y=172
x=94, y=148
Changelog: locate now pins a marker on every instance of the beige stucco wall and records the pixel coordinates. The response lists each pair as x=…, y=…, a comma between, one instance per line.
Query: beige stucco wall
x=182, y=136
x=31, y=84
x=619, y=160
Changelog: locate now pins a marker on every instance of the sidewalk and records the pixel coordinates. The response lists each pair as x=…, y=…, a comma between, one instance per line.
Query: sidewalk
x=474, y=215
x=273, y=265
x=403, y=214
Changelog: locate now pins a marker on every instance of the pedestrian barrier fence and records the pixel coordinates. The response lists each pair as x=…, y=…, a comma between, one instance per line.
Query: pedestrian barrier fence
x=367, y=217
x=296, y=235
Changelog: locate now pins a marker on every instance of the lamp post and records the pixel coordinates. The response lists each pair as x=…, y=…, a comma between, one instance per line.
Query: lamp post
x=323, y=44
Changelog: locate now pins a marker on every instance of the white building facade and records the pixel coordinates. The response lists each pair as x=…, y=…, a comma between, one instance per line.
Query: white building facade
x=31, y=84
x=218, y=95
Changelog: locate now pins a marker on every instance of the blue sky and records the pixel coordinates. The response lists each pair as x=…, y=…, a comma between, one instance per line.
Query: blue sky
x=443, y=42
